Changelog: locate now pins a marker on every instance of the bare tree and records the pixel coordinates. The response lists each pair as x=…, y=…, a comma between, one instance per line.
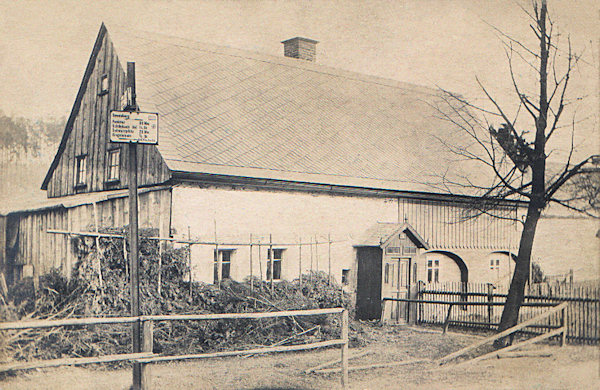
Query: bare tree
x=518, y=159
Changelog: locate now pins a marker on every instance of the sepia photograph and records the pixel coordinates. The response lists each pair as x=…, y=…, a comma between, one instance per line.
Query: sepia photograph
x=270, y=195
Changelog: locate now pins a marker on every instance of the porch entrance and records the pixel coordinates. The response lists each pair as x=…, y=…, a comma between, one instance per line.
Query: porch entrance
x=386, y=269
x=396, y=280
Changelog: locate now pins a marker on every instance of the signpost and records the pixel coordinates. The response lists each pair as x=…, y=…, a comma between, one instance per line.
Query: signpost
x=133, y=127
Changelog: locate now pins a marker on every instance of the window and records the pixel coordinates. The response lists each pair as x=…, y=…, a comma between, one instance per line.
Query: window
x=409, y=249
x=345, y=277
x=114, y=161
x=80, y=171
x=225, y=257
x=433, y=271
x=495, y=264
x=386, y=274
x=277, y=257
x=414, y=273
x=103, y=87
x=495, y=267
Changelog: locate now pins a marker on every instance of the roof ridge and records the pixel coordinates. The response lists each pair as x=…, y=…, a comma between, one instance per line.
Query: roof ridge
x=281, y=60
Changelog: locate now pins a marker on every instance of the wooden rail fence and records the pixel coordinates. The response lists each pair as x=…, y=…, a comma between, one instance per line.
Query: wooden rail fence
x=558, y=309
x=478, y=305
x=146, y=357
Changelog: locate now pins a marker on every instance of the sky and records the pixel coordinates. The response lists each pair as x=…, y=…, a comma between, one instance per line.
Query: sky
x=45, y=45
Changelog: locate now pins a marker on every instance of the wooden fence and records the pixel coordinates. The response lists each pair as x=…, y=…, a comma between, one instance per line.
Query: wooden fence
x=583, y=309
x=141, y=369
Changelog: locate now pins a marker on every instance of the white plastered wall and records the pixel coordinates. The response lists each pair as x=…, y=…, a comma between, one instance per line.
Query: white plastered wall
x=286, y=216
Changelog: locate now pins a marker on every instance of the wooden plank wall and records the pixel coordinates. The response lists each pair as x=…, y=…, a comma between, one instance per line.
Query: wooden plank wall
x=443, y=225
x=45, y=251
x=3, y=220
x=89, y=135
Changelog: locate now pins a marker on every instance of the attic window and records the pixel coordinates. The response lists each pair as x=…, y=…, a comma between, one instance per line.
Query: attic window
x=80, y=171
x=103, y=87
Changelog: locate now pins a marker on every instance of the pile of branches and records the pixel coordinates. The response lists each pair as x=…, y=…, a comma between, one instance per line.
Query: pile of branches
x=99, y=287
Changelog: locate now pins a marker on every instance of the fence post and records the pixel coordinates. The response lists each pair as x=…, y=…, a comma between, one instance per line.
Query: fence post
x=345, y=349
x=490, y=298
x=251, y=273
x=300, y=262
x=147, y=346
x=383, y=318
x=564, y=326
x=420, y=287
x=447, y=321
x=271, y=262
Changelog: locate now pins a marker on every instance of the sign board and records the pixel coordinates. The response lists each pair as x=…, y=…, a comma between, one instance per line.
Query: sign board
x=134, y=127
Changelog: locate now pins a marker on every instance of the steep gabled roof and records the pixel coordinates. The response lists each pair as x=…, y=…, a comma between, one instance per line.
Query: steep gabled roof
x=382, y=232
x=232, y=112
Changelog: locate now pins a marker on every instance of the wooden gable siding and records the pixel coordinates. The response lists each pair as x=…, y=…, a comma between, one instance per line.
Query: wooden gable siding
x=88, y=134
x=442, y=225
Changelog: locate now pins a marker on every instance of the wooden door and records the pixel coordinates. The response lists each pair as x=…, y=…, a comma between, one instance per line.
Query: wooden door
x=368, y=287
x=395, y=284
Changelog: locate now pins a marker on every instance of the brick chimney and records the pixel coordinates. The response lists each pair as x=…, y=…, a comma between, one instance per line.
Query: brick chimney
x=301, y=48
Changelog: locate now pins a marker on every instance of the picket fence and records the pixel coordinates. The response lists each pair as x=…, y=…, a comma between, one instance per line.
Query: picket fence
x=583, y=310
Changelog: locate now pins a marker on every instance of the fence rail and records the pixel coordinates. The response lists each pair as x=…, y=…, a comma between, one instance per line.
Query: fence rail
x=146, y=357
x=484, y=311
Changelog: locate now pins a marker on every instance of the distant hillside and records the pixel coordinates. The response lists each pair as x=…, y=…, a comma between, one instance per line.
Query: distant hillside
x=26, y=150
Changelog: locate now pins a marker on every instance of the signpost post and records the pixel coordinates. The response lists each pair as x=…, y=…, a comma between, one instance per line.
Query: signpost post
x=133, y=127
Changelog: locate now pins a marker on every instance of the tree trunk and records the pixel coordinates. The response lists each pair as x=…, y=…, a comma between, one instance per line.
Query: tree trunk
x=510, y=314
x=537, y=201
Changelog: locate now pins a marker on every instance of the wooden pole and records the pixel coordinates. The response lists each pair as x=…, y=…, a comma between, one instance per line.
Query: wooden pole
x=98, y=252
x=300, y=261
x=218, y=258
x=316, y=254
x=447, y=321
x=133, y=233
x=125, y=258
x=344, y=349
x=271, y=261
x=504, y=333
x=536, y=339
x=190, y=262
x=329, y=259
x=260, y=269
x=251, y=273
x=310, y=247
x=148, y=346
x=159, y=271
x=335, y=361
x=564, y=326
x=490, y=298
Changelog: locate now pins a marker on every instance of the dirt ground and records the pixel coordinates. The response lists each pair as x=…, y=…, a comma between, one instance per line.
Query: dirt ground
x=571, y=367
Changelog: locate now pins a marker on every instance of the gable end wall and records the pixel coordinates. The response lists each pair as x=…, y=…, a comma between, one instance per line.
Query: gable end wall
x=88, y=134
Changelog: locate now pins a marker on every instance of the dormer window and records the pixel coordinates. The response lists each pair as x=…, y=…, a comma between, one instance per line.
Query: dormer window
x=114, y=163
x=103, y=86
x=80, y=171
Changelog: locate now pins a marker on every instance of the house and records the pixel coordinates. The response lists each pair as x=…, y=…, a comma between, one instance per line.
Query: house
x=320, y=168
